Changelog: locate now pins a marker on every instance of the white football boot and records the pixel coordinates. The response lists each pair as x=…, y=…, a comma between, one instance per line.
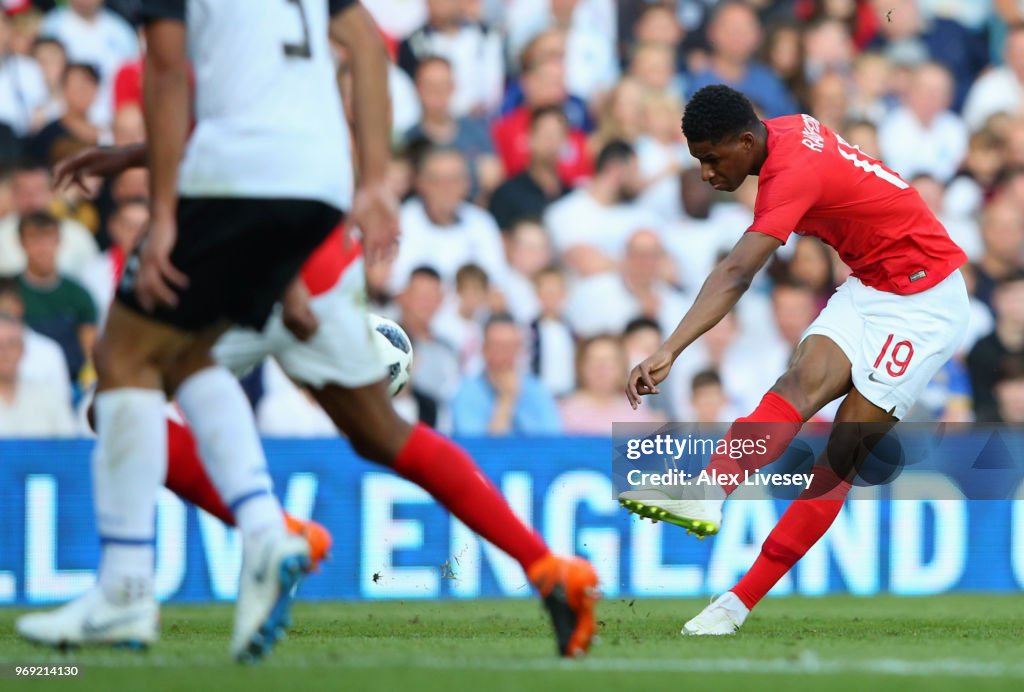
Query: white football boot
x=724, y=615
x=697, y=515
x=92, y=619
x=272, y=567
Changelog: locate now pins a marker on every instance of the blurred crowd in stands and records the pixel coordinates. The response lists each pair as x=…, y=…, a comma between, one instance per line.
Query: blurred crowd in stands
x=554, y=226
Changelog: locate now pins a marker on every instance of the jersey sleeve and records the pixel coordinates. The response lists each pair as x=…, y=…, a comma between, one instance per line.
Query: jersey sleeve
x=783, y=199
x=152, y=10
x=337, y=6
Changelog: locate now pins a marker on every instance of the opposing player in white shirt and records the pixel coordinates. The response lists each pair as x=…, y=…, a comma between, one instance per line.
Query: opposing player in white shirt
x=234, y=214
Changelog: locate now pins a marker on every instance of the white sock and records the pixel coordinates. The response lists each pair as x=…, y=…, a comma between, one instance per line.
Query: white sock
x=229, y=445
x=129, y=465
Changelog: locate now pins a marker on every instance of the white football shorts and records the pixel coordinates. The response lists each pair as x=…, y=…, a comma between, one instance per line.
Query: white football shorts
x=341, y=351
x=895, y=343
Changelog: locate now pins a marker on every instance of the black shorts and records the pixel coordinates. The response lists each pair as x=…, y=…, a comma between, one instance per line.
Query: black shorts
x=239, y=255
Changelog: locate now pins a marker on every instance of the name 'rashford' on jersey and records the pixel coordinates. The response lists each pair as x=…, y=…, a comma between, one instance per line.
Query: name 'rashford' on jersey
x=815, y=183
x=269, y=120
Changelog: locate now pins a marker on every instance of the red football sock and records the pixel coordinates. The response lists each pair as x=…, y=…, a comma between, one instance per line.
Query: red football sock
x=443, y=469
x=775, y=421
x=801, y=525
x=186, y=476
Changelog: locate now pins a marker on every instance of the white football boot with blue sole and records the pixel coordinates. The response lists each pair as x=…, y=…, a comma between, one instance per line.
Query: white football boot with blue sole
x=91, y=620
x=272, y=568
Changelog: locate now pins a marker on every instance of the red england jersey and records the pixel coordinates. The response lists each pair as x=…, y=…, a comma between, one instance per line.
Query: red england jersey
x=814, y=183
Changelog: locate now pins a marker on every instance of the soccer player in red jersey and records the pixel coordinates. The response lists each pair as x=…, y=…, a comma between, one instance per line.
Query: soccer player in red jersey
x=881, y=338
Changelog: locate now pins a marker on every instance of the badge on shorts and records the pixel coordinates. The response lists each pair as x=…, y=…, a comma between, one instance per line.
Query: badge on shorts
x=918, y=275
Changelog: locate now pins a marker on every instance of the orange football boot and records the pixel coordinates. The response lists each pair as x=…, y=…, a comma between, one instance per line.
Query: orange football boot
x=316, y=535
x=569, y=589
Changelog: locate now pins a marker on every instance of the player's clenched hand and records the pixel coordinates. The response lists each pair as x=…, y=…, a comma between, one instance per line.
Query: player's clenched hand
x=297, y=314
x=645, y=377
x=158, y=278
x=375, y=212
x=95, y=161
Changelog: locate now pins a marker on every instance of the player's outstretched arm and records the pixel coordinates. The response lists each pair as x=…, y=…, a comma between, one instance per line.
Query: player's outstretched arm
x=101, y=162
x=375, y=208
x=723, y=288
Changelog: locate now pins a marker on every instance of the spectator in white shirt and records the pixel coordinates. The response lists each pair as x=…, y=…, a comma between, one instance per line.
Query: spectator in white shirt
x=435, y=369
x=999, y=90
x=53, y=60
x=663, y=156
x=32, y=192
x=93, y=34
x=22, y=84
x=552, y=345
x=101, y=275
x=962, y=229
x=441, y=230
x=43, y=360
x=695, y=244
x=605, y=303
x=460, y=321
x=923, y=135
x=529, y=251
x=591, y=225
x=28, y=408
x=472, y=48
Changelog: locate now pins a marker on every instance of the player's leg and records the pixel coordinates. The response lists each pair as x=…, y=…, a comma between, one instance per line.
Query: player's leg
x=442, y=468
x=417, y=453
x=128, y=468
x=858, y=425
x=903, y=342
x=343, y=369
x=187, y=478
x=246, y=251
x=239, y=350
x=819, y=372
x=229, y=446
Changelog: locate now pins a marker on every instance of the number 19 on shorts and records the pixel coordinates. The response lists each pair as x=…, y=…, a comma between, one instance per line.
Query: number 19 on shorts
x=897, y=358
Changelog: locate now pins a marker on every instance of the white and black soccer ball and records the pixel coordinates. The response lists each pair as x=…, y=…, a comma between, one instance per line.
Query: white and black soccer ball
x=395, y=350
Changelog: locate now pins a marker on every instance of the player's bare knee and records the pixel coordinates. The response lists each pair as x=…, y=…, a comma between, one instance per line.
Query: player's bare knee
x=808, y=385
x=118, y=366
x=798, y=390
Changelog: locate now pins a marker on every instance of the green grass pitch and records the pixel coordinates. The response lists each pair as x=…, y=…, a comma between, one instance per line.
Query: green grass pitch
x=973, y=642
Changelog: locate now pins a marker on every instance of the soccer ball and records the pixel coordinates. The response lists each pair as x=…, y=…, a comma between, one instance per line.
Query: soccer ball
x=395, y=351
